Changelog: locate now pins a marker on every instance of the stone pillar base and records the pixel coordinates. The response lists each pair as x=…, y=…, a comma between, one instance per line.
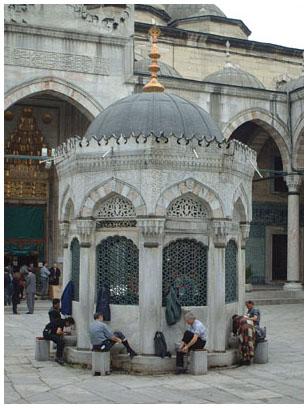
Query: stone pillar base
x=292, y=286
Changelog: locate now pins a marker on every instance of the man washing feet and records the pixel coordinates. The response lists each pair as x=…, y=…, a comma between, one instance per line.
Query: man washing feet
x=102, y=339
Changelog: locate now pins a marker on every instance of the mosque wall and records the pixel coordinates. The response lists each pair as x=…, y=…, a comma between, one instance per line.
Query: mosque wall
x=206, y=26
x=196, y=59
x=84, y=60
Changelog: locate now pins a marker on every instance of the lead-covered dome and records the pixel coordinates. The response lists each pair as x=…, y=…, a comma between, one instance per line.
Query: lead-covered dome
x=160, y=115
x=165, y=70
x=232, y=75
x=182, y=11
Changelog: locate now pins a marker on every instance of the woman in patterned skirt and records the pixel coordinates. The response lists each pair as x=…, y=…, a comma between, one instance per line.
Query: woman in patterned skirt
x=245, y=329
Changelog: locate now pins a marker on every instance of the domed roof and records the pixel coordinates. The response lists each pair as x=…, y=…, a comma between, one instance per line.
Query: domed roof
x=232, y=75
x=179, y=11
x=142, y=67
x=154, y=114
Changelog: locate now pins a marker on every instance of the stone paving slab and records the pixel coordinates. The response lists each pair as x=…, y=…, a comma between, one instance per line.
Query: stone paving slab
x=39, y=382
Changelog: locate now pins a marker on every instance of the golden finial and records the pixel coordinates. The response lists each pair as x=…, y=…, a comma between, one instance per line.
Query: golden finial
x=153, y=85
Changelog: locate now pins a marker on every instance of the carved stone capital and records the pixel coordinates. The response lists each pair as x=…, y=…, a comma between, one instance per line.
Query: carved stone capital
x=245, y=229
x=293, y=182
x=85, y=229
x=221, y=229
x=151, y=228
x=64, y=227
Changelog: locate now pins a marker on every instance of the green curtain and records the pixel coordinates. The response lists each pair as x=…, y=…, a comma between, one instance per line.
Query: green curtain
x=24, y=230
x=23, y=222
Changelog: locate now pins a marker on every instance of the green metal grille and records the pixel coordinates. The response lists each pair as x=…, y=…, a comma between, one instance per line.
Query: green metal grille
x=185, y=267
x=117, y=265
x=75, y=265
x=231, y=291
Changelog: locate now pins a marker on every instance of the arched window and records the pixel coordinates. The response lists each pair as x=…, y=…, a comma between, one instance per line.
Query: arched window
x=231, y=286
x=116, y=211
x=185, y=267
x=186, y=206
x=117, y=265
x=75, y=266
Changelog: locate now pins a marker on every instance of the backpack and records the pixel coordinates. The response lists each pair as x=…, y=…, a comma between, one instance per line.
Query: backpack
x=173, y=308
x=160, y=345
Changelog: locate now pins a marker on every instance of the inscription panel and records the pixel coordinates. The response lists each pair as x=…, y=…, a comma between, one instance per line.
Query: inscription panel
x=55, y=60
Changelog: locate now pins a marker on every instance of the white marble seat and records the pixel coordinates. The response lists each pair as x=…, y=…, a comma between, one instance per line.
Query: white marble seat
x=100, y=363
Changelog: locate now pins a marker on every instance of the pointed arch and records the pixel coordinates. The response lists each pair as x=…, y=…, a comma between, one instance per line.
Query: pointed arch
x=241, y=204
x=275, y=127
x=66, y=90
x=298, y=153
x=67, y=207
x=105, y=190
x=206, y=194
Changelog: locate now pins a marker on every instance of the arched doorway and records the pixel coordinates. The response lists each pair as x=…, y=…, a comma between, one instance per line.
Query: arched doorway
x=41, y=121
x=266, y=249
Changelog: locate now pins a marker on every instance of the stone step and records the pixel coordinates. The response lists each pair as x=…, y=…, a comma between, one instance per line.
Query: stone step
x=277, y=301
x=274, y=294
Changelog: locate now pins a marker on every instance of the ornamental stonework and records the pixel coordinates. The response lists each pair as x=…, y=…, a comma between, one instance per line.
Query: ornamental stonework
x=186, y=207
x=115, y=207
x=25, y=57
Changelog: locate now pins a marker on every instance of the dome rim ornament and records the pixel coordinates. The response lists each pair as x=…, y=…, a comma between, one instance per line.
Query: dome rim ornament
x=154, y=113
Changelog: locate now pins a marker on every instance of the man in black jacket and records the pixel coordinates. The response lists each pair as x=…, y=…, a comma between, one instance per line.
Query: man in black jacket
x=54, y=331
x=15, y=291
x=55, y=311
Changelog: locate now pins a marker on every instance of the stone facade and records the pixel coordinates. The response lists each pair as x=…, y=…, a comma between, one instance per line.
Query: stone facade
x=73, y=61
x=151, y=177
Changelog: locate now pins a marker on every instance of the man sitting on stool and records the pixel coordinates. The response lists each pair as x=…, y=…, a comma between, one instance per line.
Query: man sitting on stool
x=253, y=313
x=54, y=332
x=102, y=339
x=194, y=339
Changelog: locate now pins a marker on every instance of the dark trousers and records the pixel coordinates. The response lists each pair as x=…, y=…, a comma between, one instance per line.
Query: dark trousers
x=58, y=339
x=186, y=339
x=7, y=296
x=15, y=302
x=110, y=343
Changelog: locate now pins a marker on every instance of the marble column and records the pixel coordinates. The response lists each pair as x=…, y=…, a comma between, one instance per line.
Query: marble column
x=83, y=309
x=293, y=281
x=244, y=235
x=66, y=272
x=216, y=286
x=150, y=281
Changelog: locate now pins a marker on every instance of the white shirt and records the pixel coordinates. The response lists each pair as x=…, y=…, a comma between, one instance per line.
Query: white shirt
x=198, y=328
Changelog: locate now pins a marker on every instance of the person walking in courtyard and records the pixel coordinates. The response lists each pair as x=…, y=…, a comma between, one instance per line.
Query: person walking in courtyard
x=194, y=338
x=244, y=328
x=102, y=339
x=15, y=291
x=55, y=311
x=7, y=287
x=30, y=291
x=54, y=331
x=44, y=272
x=55, y=273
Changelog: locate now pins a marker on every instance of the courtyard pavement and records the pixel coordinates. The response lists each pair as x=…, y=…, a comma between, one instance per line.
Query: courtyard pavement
x=278, y=382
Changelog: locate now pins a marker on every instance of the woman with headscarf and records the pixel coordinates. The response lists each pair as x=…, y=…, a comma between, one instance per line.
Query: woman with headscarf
x=245, y=329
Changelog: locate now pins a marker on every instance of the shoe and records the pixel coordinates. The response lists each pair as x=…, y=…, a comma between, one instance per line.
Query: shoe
x=59, y=361
x=180, y=370
x=29, y=313
x=132, y=354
